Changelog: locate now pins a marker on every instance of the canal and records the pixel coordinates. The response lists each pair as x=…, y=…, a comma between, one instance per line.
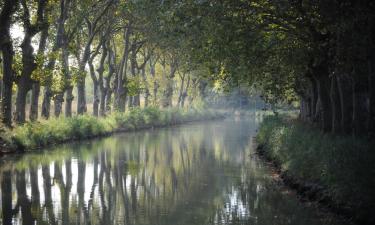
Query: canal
x=195, y=174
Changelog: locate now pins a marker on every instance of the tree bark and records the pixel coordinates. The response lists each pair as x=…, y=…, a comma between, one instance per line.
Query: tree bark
x=34, y=107
x=46, y=104
x=68, y=101
x=336, y=106
x=181, y=92
x=24, y=82
x=155, y=83
x=6, y=107
x=95, y=105
x=321, y=75
x=168, y=92
x=68, y=79
x=108, y=100
x=81, y=100
x=314, y=100
x=8, y=9
x=147, y=90
x=23, y=89
x=371, y=79
x=360, y=110
x=103, y=89
x=325, y=103
x=107, y=80
x=185, y=94
x=344, y=84
x=58, y=100
x=121, y=91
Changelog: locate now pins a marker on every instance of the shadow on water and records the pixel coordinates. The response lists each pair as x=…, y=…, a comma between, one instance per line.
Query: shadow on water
x=190, y=175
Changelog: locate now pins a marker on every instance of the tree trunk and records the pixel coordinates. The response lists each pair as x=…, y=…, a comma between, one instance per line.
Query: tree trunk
x=155, y=83
x=103, y=90
x=68, y=101
x=325, y=103
x=360, y=110
x=130, y=101
x=168, y=92
x=137, y=100
x=181, y=92
x=34, y=107
x=336, y=106
x=147, y=91
x=304, y=109
x=81, y=100
x=102, y=109
x=185, y=94
x=95, y=105
x=8, y=9
x=68, y=80
x=344, y=84
x=121, y=78
x=20, y=113
x=46, y=104
x=59, y=99
x=107, y=80
x=314, y=101
x=371, y=79
x=28, y=65
x=108, y=101
x=6, y=106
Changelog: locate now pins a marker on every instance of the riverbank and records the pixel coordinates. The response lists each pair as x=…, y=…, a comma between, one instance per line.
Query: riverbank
x=34, y=135
x=335, y=171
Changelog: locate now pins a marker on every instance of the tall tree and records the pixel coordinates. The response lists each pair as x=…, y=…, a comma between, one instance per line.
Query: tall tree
x=8, y=9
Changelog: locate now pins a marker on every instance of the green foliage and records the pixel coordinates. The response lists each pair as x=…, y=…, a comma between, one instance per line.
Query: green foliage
x=134, y=85
x=343, y=164
x=17, y=64
x=46, y=132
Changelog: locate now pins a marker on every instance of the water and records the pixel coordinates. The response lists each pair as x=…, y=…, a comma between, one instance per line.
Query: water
x=197, y=174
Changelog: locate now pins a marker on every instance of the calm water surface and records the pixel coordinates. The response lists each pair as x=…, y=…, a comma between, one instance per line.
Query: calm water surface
x=196, y=174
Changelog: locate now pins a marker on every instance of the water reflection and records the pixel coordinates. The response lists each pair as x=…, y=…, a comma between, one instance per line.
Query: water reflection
x=196, y=174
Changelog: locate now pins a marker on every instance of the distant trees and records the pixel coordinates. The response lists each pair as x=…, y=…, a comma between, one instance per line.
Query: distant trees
x=320, y=53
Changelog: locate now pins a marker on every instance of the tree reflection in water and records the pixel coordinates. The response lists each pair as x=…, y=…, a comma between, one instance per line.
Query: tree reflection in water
x=196, y=174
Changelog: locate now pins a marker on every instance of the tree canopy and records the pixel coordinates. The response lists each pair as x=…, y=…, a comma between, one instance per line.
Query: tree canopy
x=319, y=53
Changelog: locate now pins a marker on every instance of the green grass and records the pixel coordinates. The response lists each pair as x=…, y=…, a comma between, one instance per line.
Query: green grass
x=344, y=165
x=34, y=135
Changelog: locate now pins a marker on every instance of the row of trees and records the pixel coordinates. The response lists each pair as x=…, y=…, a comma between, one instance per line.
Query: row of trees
x=64, y=43
x=320, y=53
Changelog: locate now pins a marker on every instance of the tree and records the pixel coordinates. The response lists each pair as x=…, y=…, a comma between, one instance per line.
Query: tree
x=9, y=7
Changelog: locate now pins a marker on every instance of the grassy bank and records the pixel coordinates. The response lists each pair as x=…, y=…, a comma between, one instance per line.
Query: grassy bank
x=336, y=170
x=34, y=135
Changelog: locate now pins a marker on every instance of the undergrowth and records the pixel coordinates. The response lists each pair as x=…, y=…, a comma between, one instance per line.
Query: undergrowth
x=32, y=135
